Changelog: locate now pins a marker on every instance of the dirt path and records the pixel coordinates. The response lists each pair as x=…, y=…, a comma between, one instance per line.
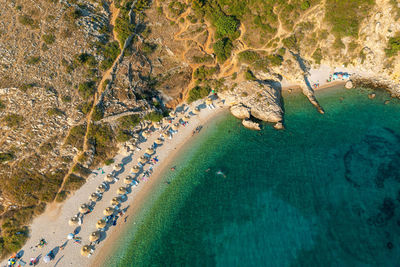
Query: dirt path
x=106, y=75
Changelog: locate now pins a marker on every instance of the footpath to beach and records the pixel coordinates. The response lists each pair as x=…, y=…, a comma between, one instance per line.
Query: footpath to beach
x=53, y=225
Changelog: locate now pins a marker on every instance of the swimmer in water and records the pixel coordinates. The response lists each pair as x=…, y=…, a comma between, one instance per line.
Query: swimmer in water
x=208, y=170
x=221, y=173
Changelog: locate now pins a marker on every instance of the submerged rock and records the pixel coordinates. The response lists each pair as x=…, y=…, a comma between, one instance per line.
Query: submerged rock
x=249, y=124
x=372, y=96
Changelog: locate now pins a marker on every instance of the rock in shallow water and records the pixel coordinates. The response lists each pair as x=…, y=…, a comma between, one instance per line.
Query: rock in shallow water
x=240, y=111
x=251, y=125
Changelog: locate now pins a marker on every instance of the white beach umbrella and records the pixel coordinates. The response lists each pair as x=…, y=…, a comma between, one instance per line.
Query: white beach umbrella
x=121, y=190
x=108, y=211
x=150, y=151
x=135, y=169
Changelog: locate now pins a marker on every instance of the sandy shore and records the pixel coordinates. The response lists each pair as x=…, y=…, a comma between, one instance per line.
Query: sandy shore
x=53, y=224
x=321, y=75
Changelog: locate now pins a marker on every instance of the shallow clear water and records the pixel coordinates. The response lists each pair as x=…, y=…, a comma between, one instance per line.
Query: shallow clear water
x=323, y=192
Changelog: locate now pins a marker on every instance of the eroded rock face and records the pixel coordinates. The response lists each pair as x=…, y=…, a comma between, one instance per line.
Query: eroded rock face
x=261, y=99
x=240, y=111
x=249, y=124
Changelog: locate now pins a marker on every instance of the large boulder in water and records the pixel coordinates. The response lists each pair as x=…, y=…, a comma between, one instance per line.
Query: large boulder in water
x=249, y=124
x=240, y=111
x=263, y=101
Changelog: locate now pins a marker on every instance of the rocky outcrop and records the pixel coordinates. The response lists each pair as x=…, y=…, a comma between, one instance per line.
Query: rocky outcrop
x=251, y=125
x=263, y=101
x=240, y=111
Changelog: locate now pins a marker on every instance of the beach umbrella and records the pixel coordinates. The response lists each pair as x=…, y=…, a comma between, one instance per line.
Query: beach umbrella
x=172, y=114
x=135, y=169
x=196, y=111
x=142, y=160
x=146, y=134
x=73, y=221
x=46, y=259
x=109, y=178
x=121, y=190
x=117, y=167
x=94, y=197
x=115, y=201
x=108, y=211
x=150, y=151
x=70, y=236
x=157, y=125
x=83, y=208
x=101, y=224
x=175, y=127
x=186, y=118
x=165, y=135
x=101, y=188
x=208, y=101
x=85, y=251
x=165, y=120
x=94, y=236
x=159, y=141
x=128, y=180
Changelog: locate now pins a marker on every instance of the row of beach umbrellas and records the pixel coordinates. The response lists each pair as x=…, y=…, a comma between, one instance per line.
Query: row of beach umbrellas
x=101, y=224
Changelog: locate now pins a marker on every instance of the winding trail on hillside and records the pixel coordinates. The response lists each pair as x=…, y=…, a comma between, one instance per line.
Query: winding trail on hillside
x=106, y=75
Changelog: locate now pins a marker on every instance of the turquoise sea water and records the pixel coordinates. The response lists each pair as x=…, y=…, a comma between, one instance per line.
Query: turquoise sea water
x=323, y=192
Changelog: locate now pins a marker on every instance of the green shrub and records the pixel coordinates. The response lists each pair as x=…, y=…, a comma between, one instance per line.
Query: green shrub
x=305, y=5
x=249, y=75
x=49, y=38
x=248, y=56
x=82, y=171
x=345, y=16
x=128, y=122
x=148, y=48
x=198, y=92
x=32, y=60
x=85, y=59
x=2, y=105
x=66, y=99
x=13, y=120
x=87, y=89
x=290, y=43
x=153, y=116
x=123, y=136
x=54, y=112
x=73, y=182
x=110, y=52
x=98, y=113
x=227, y=26
x=109, y=161
x=317, y=56
x=76, y=135
x=61, y=196
x=27, y=21
x=6, y=157
x=85, y=107
x=393, y=46
x=223, y=49
x=123, y=27
x=176, y=8
x=204, y=72
x=275, y=60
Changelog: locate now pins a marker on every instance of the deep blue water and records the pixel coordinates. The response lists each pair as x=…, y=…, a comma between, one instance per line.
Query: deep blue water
x=323, y=192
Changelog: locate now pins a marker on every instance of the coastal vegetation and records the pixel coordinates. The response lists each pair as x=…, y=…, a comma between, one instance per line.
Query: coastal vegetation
x=394, y=46
x=198, y=92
